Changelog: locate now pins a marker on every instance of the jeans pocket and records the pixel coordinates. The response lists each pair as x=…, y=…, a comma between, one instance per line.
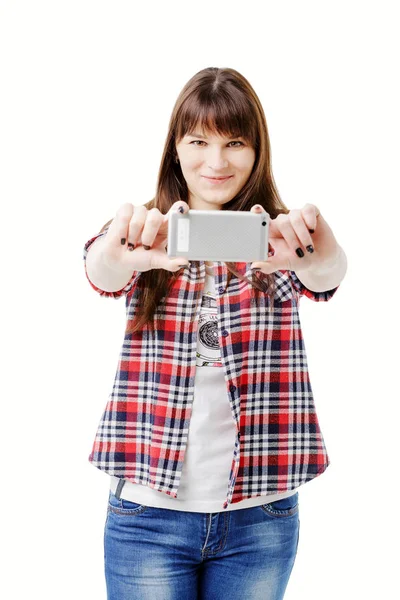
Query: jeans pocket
x=121, y=506
x=285, y=507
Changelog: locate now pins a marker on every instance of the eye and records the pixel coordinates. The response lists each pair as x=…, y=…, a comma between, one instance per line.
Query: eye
x=195, y=142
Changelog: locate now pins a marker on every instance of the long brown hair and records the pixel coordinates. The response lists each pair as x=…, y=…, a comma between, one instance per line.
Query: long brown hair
x=220, y=101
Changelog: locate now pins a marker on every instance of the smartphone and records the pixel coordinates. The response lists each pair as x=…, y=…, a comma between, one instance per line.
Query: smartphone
x=218, y=235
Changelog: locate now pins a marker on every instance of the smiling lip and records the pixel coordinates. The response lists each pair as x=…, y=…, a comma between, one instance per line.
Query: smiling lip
x=217, y=179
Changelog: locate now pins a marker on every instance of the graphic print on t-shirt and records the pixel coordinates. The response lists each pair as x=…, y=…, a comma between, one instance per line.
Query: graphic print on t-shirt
x=208, y=350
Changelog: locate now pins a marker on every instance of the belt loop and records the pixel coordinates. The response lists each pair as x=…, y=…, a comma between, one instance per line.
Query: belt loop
x=120, y=485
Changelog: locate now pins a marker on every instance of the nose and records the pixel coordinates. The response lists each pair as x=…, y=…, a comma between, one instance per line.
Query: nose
x=215, y=159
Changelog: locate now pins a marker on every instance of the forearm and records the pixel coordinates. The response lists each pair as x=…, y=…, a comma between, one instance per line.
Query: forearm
x=101, y=275
x=327, y=276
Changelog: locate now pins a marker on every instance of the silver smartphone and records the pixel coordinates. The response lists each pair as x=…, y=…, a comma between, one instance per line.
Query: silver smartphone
x=218, y=235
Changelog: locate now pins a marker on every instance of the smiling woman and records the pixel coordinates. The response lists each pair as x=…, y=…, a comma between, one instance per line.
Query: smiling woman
x=217, y=128
x=211, y=412
x=215, y=167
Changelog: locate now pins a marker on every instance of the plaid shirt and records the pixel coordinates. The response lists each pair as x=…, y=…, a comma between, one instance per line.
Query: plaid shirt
x=143, y=432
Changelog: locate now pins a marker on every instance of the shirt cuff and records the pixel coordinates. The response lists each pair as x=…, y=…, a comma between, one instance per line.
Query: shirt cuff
x=302, y=290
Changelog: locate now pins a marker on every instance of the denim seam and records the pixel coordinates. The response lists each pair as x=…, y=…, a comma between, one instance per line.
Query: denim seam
x=207, y=552
x=280, y=512
x=126, y=511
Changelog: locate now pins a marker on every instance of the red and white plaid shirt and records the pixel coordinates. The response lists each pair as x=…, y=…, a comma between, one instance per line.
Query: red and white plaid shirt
x=143, y=432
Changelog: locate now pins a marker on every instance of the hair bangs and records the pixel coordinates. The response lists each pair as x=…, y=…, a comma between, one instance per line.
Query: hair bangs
x=222, y=114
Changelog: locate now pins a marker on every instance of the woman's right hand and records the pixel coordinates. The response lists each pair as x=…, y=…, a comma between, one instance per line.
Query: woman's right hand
x=139, y=227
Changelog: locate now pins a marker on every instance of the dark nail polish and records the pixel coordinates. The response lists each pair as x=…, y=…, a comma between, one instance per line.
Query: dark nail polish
x=146, y=247
x=300, y=252
x=311, y=230
x=123, y=240
x=130, y=246
x=182, y=266
x=181, y=209
x=310, y=249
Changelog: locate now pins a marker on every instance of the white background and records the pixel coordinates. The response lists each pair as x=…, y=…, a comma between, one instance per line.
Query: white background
x=87, y=89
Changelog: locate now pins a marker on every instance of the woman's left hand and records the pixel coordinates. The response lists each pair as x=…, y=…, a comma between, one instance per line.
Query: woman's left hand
x=288, y=232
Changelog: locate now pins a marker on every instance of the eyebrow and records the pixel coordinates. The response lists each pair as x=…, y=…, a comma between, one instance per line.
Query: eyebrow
x=204, y=138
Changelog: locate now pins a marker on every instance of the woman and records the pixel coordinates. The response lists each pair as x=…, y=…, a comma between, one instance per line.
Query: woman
x=211, y=426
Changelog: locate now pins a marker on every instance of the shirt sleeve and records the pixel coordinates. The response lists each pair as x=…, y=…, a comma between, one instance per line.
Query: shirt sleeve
x=125, y=290
x=303, y=291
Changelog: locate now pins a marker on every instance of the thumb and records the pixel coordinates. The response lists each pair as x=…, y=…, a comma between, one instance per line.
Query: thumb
x=179, y=263
x=271, y=265
x=268, y=266
x=160, y=260
x=172, y=264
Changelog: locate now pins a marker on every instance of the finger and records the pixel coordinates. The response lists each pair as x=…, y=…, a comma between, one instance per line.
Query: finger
x=301, y=230
x=273, y=264
x=176, y=208
x=160, y=260
x=257, y=208
x=118, y=229
x=157, y=223
x=135, y=226
x=271, y=252
x=154, y=220
x=176, y=264
x=310, y=214
x=274, y=226
x=288, y=226
x=182, y=208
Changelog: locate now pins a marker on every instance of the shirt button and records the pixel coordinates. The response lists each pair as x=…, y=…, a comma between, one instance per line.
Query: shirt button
x=239, y=435
x=232, y=388
x=220, y=289
x=225, y=333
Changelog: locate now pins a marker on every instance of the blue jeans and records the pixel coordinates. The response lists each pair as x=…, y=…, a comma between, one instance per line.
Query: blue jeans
x=161, y=554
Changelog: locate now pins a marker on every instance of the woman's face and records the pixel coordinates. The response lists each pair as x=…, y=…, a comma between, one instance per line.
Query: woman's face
x=203, y=156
